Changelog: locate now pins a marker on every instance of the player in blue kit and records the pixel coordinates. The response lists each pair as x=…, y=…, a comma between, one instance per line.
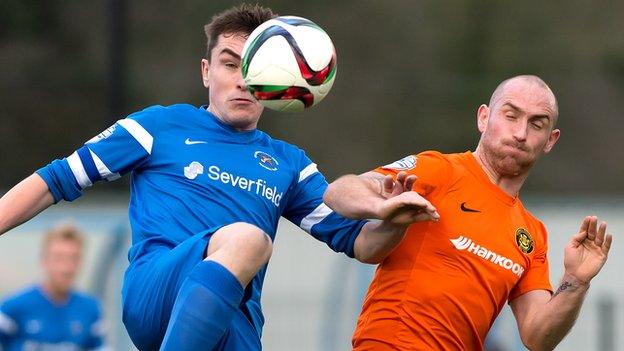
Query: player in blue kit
x=207, y=192
x=52, y=316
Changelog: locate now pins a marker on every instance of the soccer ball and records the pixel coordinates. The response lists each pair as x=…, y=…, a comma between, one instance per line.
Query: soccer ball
x=289, y=63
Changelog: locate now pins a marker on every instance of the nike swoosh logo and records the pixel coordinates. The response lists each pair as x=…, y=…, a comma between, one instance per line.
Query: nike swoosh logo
x=467, y=209
x=193, y=142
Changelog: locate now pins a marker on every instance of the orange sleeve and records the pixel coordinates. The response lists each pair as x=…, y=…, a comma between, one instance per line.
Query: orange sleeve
x=536, y=277
x=431, y=167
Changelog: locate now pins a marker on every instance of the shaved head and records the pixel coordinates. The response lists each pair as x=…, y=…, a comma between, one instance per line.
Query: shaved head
x=517, y=127
x=502, y=88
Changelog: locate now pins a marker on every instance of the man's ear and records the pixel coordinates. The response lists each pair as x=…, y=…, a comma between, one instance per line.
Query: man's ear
x=205, y=72
x=483, y=114
x=552, y=139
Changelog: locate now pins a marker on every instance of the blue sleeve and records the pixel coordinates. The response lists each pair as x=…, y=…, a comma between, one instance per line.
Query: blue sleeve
x=118, y=150
x=98, y=330
x=60, y=180
x=306, y=209
x=8, y=322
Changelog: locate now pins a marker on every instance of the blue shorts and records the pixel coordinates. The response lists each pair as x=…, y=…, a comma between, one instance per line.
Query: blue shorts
x=151, y=286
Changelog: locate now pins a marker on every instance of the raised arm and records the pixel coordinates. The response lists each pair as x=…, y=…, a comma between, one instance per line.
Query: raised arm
x=389, y=203
x=375, y=196
x=544, y=320
x=23, y=202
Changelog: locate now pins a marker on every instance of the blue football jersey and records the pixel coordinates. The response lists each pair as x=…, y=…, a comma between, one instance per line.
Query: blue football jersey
x=191, y=172
x=31, y=321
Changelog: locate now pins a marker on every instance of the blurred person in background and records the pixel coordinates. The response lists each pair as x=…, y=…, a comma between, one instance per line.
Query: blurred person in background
x=445, y=283
x=52, y=315
x=208, y=189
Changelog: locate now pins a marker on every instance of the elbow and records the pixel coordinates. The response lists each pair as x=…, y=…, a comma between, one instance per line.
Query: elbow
x=535, y=342
x=368, y=255
x=362, y=250
x=530, y=345
x=533, y=346
x=369, y=259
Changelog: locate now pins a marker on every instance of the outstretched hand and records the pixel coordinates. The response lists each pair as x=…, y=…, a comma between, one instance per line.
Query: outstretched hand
x=402, y=205
x=391, y=188
x=587, y=251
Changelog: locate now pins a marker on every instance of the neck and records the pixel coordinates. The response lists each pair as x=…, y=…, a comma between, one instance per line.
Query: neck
x=244, y=127
x=54, y=293
x=510, y=184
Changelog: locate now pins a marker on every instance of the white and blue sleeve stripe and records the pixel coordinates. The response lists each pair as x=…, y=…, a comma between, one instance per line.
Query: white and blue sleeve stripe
x=307, y=171
x=7, y=324
x=138, y=132
x=105, y=173
x=306, y=209
x=315, y=217
x=79, y=170
x=117, y=151
x=88, y=168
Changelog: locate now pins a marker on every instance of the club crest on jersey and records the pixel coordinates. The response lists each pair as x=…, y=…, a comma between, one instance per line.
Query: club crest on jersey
x=403, y=164
x=193, y=170
x=33, y=326
x=105, y=134
x=266, y=161
x=524, y=240
x=75, y=327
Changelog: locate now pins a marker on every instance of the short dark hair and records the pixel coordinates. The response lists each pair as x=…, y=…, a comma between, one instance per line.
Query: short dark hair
x=239, y=19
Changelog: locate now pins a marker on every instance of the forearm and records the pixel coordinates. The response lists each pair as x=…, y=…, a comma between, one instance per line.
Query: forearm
x=552, y=322
x=354, y=196
x=24, y=201
x=376, y=240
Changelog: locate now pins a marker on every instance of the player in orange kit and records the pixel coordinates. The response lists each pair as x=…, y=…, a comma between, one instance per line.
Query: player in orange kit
x=447, y=280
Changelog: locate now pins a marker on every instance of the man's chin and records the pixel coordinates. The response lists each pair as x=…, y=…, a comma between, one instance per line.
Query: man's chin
x=247, y=113
x=244, y=120
x=512, y=166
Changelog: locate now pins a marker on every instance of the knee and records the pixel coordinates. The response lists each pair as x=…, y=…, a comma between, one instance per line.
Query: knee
x=250, y=240
x=246, y=241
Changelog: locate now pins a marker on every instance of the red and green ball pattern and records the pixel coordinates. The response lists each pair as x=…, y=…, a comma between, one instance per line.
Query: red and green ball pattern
x=312, y=77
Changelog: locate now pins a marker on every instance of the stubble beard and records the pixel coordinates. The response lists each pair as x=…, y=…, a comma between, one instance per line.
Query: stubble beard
x=507, y=164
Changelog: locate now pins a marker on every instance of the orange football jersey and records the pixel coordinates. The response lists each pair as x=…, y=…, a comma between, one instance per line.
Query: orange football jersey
x=444, y=285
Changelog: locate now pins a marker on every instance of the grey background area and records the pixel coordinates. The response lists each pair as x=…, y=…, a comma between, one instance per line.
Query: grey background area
x=312, y=296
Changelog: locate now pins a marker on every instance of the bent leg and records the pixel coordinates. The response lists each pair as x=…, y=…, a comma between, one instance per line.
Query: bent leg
x=211, y=295
x=242, y=248
x=241, y=335
x=151, y=286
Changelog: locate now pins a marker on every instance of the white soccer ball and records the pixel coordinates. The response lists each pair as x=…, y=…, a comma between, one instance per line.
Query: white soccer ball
x=289, y=63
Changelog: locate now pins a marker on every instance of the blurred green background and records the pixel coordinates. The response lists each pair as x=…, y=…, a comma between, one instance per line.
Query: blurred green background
x=411, y=75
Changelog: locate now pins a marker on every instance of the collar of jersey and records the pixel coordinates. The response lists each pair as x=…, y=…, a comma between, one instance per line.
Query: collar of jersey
x=475, y=168
x=57, y=304
x=242, y=136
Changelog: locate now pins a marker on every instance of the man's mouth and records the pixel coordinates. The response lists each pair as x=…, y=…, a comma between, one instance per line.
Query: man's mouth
x=241, y=99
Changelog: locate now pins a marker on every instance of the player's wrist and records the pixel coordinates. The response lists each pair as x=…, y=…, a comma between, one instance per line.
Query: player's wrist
x=377, y=209
x=573, y=282
x=384, y=209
